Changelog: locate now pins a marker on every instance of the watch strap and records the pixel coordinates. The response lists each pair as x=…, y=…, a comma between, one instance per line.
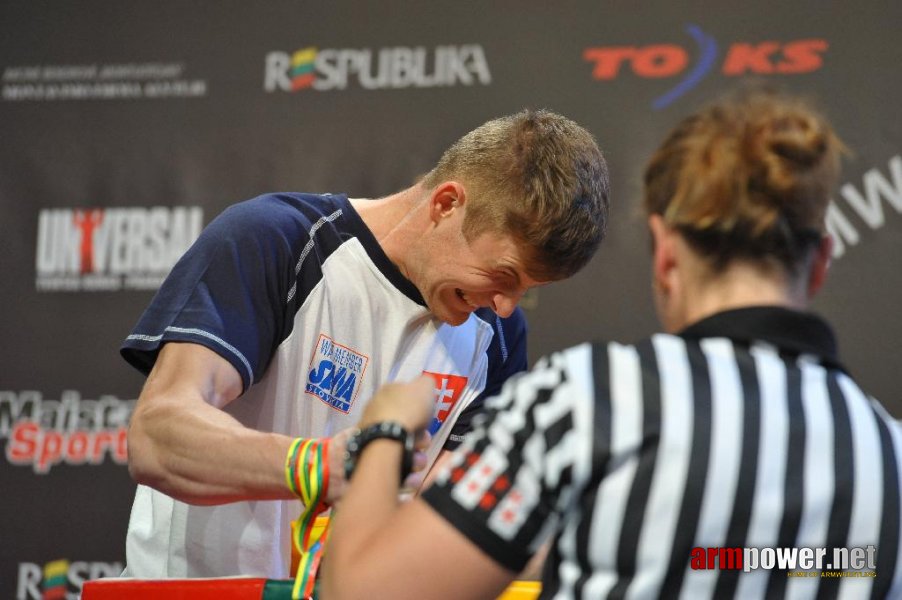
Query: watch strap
x=391, y=430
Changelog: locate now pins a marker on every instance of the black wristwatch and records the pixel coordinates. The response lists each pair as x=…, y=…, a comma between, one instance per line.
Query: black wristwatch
x=391, y=430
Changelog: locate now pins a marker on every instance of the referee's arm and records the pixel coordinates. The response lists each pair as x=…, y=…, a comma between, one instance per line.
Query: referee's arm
x=378, y=549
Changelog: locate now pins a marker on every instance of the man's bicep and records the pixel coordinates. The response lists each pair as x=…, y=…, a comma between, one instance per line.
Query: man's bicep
x=190, y=370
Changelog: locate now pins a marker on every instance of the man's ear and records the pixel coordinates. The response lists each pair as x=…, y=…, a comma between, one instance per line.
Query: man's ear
x=447, y=197
x=820, y=265
x=664, y=258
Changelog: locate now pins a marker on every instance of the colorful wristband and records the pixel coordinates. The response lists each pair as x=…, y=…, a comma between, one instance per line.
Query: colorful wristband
x=307, y=476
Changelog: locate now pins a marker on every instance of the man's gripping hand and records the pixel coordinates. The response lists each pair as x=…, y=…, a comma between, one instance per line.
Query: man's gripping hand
x=337, y=482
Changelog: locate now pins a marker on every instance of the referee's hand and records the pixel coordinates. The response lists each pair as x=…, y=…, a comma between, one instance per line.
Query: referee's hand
x=410, y=404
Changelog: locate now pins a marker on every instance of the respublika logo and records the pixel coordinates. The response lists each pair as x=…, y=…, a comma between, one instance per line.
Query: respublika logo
x=43, y=433
x=386, y=68
x=448, y=390
x=335, y=374
x=659, y=61
x=53, y=580
x=109, y=249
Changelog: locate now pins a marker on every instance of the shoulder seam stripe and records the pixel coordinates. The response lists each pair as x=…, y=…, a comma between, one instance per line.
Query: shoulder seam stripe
x=309, y=246
x=202, y=333
x=501, y=340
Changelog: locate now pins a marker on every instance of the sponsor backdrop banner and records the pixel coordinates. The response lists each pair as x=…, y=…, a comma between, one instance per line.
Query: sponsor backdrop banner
x=127, y=127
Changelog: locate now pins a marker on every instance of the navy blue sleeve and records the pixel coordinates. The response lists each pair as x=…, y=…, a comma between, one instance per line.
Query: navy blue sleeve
x=232, y=290
x=507, y=356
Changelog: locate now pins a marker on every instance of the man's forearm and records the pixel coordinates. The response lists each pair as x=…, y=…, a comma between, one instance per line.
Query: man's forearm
x=204, y=456
x=182, y=443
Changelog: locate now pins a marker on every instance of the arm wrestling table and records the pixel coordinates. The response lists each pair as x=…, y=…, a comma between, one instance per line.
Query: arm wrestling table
x=231, y=588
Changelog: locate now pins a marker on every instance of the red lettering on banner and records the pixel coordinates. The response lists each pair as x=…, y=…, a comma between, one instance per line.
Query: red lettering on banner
x=51, y=447
x=608, y=60
x=742, y=58
x=121, y=455
x=802, y=56
x=660, y=60
x=747, y=58
x=77, y=448
x=102, y=441
x=22, y=443
x=663, y=60
x=45, y=448
x=87, y=221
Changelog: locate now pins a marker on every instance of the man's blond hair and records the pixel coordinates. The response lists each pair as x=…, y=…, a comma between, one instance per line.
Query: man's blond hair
x=539, y=177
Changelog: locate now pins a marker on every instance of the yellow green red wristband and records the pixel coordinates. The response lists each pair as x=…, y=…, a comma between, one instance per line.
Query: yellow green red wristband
x=290, y=462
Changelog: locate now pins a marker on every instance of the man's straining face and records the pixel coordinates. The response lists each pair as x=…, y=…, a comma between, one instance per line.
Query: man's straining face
x=456, y=277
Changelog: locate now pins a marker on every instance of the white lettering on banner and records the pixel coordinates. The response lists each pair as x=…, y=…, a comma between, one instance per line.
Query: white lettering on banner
x=99, y=82
x=113, y=248
x=36, y=582
x=44, y=433
x=868, y=206
x=840, y=229
x=387, y=68
x=29, y=582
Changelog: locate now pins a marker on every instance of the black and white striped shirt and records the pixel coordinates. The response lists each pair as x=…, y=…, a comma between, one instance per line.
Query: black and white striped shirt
x=742, y=432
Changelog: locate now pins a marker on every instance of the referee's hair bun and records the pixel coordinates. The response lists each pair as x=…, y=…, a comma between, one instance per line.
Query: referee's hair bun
x=790, y=153
x=755, y=165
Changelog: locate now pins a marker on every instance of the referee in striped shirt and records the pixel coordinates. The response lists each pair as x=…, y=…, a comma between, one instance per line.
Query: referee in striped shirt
x=732, y=457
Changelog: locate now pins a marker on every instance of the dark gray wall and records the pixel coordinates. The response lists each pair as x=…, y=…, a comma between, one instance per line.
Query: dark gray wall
x=158, y=115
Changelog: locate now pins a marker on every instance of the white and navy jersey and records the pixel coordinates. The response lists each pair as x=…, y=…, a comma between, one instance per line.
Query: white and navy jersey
x=698, y=465
x=297, y=294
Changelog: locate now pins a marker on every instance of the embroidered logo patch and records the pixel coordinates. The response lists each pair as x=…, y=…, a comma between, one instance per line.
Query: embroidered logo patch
x=448, y=390
x=335, y=375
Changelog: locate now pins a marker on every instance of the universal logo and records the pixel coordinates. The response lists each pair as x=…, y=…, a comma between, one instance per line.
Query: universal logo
x=109, y=249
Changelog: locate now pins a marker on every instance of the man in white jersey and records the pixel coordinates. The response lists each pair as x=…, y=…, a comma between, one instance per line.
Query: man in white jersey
x=292, y=309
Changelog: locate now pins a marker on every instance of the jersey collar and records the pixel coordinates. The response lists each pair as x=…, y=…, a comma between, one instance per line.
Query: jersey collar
x=377, y=254
x=792, y=331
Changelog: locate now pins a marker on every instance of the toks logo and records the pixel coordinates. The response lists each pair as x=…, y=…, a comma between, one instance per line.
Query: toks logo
x=44, y=433
x=387, y=68
x=669, y=60
x=108, y=249
x=53, y=580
